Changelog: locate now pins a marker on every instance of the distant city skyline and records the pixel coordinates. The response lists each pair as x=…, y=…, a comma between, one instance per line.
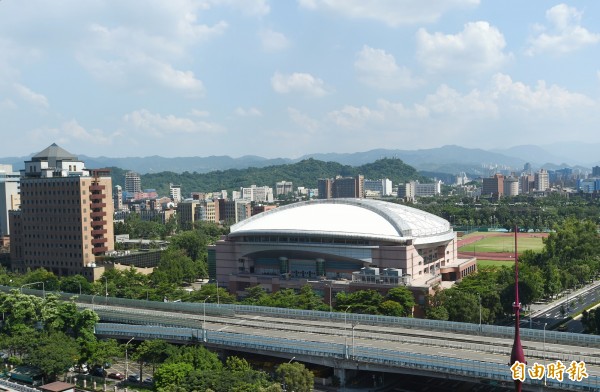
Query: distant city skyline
x=285, y=79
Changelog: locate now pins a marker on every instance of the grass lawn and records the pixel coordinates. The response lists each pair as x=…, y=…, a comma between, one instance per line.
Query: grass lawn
x=504, y=243
x=494, y=263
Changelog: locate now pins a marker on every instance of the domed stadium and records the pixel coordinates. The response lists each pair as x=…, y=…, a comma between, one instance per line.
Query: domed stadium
x=339, y=245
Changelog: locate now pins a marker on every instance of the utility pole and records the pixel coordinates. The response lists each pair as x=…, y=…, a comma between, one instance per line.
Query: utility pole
x=517, y=354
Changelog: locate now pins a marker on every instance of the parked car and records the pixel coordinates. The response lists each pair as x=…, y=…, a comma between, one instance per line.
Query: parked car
x=149, y=380
x=133, y=378
x=98, y=372
x=116, y=376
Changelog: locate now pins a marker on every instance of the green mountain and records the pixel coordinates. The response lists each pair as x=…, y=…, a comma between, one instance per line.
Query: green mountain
x=304, y=173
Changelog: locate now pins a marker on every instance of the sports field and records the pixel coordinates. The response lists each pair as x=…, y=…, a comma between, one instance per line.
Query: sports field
x=500, y=243
x=494, y=263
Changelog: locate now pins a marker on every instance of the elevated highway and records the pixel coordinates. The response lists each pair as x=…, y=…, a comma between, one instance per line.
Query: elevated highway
x=347, y=342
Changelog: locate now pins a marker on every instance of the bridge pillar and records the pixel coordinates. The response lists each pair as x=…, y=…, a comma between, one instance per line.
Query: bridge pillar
x=341, y=374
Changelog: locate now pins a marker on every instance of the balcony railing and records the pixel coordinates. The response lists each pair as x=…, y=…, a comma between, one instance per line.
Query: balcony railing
x=99, y=249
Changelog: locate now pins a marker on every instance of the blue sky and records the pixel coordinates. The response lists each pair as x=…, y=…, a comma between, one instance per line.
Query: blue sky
x=287, y=78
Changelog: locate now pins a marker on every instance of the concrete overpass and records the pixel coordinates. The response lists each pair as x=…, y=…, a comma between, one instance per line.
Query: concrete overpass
x=347, y=342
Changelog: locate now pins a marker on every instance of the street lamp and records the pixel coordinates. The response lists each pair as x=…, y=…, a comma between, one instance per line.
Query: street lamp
x=330, y=290
x=545, y=351
x=204, y=318
x=353, y=326
x=479, y=297
x=126, y=358
x=346, y=332
x=105, y=289
x=218, y=301
x=29, y=284
x=290, y=361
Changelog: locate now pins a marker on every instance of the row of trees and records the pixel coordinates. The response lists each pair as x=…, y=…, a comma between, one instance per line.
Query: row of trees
x=53, y=335
x=50, y=334
x=194, y=368
x=570, y=258
x=526, y=212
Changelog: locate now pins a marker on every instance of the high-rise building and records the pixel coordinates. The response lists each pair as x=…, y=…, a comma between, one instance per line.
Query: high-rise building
x=526, y=183
x=283, y=188
x=118, y=198
x=596, y=171
x=348, y=187
x=9, y=196
x=260, y=194
x=413, y=189
x=133, y=183
x=175, y=192
x=511, y=186
x=493, y=186
x=324, y=188
x=381, y=187
x=542, y=181
x=66, y=216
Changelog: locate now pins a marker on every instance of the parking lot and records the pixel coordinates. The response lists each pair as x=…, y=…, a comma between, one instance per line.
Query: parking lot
x=112, y=380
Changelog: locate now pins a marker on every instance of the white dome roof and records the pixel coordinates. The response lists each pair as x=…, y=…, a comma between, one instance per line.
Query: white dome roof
x=357, y=218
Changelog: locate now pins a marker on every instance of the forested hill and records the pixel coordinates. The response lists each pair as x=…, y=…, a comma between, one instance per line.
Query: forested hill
x=304, y=173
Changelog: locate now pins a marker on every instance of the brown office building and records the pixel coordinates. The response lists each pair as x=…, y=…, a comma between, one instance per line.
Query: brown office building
x=66, y=216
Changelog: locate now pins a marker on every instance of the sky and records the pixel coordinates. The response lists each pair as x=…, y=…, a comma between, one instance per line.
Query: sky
x=287, y=78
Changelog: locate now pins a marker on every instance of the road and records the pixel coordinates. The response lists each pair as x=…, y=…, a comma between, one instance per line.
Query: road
x=553, y=314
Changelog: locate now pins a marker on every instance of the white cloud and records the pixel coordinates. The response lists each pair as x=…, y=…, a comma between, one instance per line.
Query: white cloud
x=448, y=115
x=298, y=83
x=71, y=131
x=250, y=112
x=8, y=104
x=391, y=12
x=303, y=121
x=551, y=100
x=200, y=113
x=378, y=69
x=566, y=36
x=30, y=96
x=272, y=41
x=352, y=117
x=478, y=48
x=159, y=126
x=142, y=56
x=249, y=7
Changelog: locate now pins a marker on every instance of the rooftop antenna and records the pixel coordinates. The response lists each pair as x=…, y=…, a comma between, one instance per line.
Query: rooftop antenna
x=517, y=349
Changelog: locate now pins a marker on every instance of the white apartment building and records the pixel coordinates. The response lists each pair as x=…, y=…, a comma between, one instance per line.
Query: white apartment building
x=283, y=188
x=542, y=181
x=175, y=192
x=258, y=193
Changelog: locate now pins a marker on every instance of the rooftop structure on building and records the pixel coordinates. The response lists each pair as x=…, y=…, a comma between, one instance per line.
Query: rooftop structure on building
x=65, y=220
x=339, y=242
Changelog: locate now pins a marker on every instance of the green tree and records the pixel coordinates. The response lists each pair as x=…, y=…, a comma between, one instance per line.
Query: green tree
x=54, y=353
x=391, y=308
x=198, y=357
x=171, y=374
x=152, y=352
x=362, y=301
x=295, y=377
x=99, y=352
x=404, y=297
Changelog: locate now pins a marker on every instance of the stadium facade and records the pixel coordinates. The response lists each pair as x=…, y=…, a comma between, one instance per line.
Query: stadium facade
x=339, y=245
